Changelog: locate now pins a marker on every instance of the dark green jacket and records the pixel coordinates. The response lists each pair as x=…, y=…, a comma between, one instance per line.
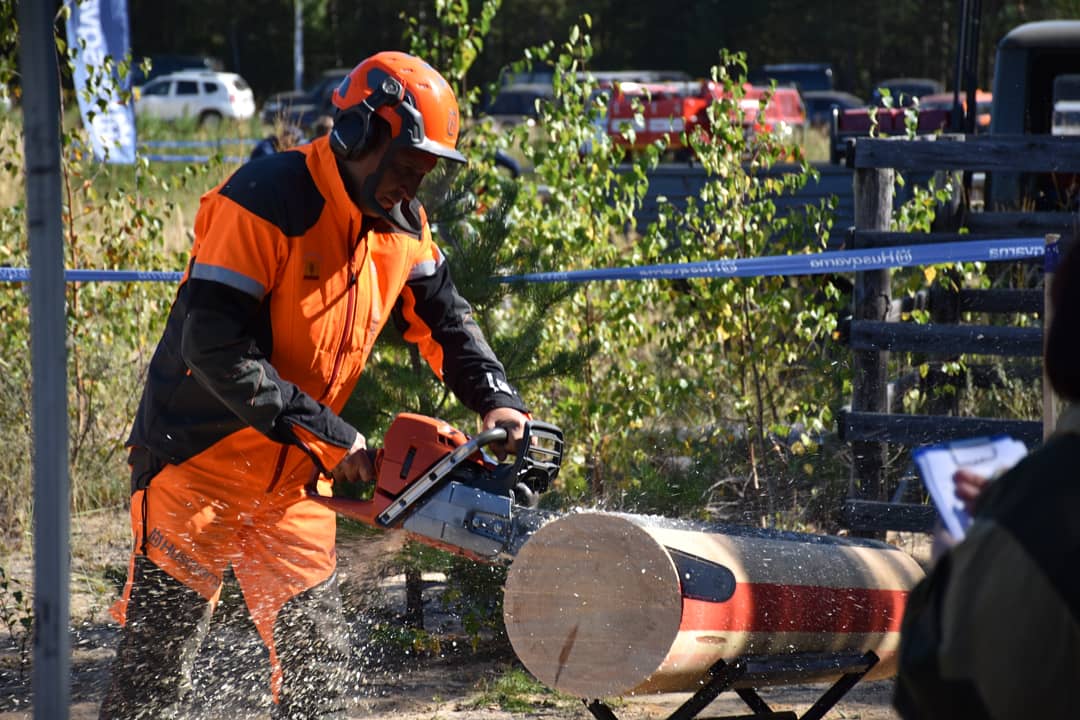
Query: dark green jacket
x=994, y=630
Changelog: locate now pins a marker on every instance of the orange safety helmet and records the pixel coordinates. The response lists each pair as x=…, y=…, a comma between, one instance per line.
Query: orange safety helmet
x=405, y=91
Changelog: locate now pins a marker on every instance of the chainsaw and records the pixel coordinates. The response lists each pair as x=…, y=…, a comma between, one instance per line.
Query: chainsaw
x=443, y=487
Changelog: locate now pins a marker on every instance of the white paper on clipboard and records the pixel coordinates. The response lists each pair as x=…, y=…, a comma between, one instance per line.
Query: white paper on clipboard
x=987, y=456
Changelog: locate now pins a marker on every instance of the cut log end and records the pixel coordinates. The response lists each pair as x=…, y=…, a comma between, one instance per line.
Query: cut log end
x=592, y=605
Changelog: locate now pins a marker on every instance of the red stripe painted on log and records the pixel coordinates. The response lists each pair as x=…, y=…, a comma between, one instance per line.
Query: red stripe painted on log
x=767, y=607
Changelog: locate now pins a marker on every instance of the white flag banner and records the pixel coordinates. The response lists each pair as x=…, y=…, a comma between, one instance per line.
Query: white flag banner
x=96, y=29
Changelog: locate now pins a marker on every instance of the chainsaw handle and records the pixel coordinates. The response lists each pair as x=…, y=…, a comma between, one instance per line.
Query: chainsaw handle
x=537, y=461
x=533, y=429
x=487, y=437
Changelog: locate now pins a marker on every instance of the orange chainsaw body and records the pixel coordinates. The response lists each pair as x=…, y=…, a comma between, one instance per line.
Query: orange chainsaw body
x=411, y=446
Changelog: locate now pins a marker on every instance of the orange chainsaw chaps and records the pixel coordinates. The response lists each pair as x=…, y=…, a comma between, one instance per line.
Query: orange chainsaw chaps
x=195, y=525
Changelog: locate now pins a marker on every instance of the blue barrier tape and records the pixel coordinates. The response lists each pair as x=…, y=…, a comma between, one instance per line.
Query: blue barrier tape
x=839, y=261
x=23, y=275
x=1053, y=256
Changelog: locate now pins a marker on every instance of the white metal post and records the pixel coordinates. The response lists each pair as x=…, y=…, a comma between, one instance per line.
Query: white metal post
x=298, y=44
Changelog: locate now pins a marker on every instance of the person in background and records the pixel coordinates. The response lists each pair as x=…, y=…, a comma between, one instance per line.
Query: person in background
x=322, y=126
x=276, y=142
x=299, y=261
x=993, y=631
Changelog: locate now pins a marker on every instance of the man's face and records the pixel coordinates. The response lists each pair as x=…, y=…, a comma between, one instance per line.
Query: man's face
x=399, y=179
x=402, y=176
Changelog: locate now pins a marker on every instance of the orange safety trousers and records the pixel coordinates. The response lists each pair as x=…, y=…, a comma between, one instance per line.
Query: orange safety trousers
x=194, y=526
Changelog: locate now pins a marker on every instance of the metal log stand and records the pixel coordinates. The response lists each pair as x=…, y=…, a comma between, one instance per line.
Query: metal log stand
x=723, y=676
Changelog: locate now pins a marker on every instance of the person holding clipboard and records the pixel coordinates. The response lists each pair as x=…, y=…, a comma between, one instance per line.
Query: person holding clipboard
x=993, y=631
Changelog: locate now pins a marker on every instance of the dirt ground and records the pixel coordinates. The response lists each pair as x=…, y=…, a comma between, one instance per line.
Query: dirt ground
x=231, y=676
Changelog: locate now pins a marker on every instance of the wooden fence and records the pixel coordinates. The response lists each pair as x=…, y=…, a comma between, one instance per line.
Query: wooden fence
x=671, y=184
x=872, y=424
x=866, y=194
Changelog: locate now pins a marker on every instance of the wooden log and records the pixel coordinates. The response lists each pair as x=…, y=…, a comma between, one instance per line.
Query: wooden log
x=602, y=604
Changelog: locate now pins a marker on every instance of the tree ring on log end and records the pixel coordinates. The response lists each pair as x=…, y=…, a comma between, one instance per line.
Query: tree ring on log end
x=593, y=605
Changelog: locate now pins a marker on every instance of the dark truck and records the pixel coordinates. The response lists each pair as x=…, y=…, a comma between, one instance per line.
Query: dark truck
x=1036, y=90
x=1036, y=80
x=301, y=108
x=806, y=76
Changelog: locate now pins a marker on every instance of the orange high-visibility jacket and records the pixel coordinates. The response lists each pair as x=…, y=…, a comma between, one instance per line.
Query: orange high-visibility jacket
x=287, y=288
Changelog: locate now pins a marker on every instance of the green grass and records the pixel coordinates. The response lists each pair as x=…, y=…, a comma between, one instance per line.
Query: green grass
x=516, y=691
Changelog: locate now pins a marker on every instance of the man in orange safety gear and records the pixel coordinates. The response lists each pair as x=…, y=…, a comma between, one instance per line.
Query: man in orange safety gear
x=299, y=259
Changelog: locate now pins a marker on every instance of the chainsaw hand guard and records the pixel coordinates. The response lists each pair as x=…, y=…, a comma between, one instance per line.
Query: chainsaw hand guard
x=536, y=464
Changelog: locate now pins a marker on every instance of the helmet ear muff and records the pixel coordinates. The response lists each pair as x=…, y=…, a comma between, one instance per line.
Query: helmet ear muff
x=352, y=127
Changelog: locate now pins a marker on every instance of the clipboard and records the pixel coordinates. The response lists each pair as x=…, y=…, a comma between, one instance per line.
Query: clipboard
x=988, y=456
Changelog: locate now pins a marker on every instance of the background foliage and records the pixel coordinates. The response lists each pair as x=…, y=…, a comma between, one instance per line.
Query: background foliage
x=866, y=41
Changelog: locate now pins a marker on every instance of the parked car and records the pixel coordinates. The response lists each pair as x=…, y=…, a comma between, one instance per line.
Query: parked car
x=515, y=104
x=804, y=76
x=168, y=64
x=903, y=91
x=666, y=109
x=301, y=108
x=944, y=101
x=676, y=107
x=784, y=112
x=820, y=103
x=204, y=95
x=1066, y=120
x=1067, y=87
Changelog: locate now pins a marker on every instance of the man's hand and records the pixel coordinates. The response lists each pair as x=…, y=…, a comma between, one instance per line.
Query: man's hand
x=969, y=486
x=356, y=466
x=513, y=421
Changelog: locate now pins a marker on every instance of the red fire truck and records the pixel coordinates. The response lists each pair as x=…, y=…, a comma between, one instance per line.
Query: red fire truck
x=675, y=109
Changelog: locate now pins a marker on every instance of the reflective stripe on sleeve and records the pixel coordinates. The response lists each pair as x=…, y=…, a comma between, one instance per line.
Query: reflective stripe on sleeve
x=426, y=268
x=232, y=278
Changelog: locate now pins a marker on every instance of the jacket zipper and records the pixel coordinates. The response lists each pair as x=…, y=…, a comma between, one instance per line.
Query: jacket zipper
x=350, y=318
x=339, y=356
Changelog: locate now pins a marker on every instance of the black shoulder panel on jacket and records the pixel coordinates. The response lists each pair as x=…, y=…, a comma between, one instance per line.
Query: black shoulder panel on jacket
x=279, y=189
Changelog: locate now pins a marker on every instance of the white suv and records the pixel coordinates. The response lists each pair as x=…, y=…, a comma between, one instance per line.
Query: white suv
x=205, y=95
